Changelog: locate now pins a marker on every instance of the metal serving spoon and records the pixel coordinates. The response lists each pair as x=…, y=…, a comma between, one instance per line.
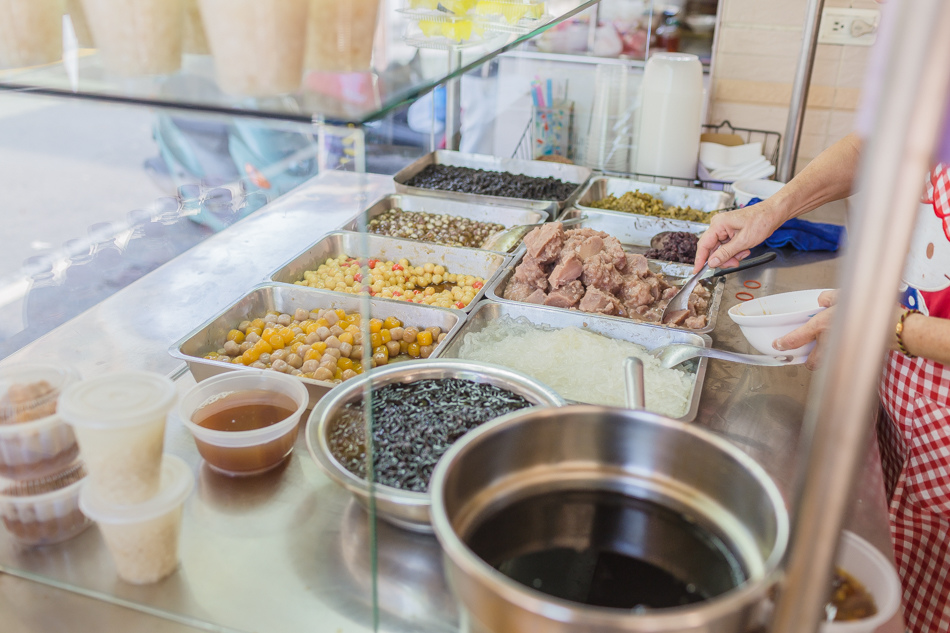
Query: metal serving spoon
x=681, y=299
x=752, y=262
x=504, y=241
x=676, y=353
x=633, y=383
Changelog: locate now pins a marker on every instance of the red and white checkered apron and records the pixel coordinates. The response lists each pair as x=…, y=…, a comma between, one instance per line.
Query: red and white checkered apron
x=914, y=438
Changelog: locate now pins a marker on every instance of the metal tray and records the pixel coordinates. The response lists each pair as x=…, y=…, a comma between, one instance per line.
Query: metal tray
x=210, y=335
x=649, y=336
x=537, y=213
x=631, y=229
x=467, y=261
x=701, y=199
x=538, y=168
x=716, y=286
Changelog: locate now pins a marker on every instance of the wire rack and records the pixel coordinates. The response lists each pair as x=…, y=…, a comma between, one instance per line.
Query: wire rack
x=771, y=143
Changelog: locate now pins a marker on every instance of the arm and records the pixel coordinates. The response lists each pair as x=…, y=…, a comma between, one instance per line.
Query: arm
x=924, y=336
x=827, y=178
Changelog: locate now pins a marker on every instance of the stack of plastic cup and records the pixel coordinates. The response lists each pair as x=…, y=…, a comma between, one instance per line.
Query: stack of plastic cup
x=39, y=504
x=31, y=32
x=137, y=38
x=133, y=491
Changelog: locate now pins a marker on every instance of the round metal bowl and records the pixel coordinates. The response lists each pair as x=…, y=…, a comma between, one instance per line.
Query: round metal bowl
x=588, y=450
x=409, y=510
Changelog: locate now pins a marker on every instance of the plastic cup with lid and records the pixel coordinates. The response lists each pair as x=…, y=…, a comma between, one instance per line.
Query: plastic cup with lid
x=44, y=511
x=143, y=538
x=119, y=421
x=34, y=440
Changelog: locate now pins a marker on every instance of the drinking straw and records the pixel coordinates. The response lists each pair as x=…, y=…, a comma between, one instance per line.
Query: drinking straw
x=550, y=93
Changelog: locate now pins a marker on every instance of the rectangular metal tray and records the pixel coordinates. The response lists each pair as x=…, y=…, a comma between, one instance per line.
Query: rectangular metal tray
x=536, y=213
x=649, y=336
x=631, y=229
x=210, y=335
x=537, y=168
x=701, y=199
x=716, y=286
x=467, y=261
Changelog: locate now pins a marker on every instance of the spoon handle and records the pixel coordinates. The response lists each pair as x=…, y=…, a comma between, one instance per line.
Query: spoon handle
x=633, y=381
x=748, y=359
x=744, y=264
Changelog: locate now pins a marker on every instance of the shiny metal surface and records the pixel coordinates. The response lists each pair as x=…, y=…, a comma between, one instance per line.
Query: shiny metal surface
x=509, y=216
x=635, y=453
x=211, y=335
x=496, y=292
x=633, y=383
x=701, y=199
x=292, y=553
x=541, y=169
x=404, y=508
x=915, y=90
x=647, y=335
x=464, y=261
x=681, y=299
x=673, y=355
x=800, y=85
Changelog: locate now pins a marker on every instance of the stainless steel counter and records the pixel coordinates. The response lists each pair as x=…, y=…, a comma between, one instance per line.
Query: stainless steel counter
x=289, y=551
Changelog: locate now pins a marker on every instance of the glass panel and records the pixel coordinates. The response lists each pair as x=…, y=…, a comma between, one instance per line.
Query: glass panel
x=260, y=47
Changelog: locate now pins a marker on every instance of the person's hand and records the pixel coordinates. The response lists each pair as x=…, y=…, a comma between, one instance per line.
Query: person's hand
x=816, y=329
x=731, y=234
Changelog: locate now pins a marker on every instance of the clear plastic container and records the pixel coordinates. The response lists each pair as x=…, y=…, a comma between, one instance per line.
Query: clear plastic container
x=258, y=45
x=34, y=440
x=45, y=511
x=143, y=538
x=340, y=35
x=240, y=453
x=31, y=32
x=119, y=420
x=137, y=38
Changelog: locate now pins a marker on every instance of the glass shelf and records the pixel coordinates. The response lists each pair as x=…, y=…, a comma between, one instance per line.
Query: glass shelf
x=403, y=68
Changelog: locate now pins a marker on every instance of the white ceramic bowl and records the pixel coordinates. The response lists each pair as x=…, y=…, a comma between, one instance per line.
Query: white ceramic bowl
x=745, y=190
x=700, y=23
x=873, y=570
x=765, y=319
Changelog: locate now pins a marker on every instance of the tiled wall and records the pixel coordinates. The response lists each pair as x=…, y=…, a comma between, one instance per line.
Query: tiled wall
x=758, y=47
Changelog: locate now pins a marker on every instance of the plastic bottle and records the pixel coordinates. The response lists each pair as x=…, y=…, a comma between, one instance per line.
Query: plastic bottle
x=670, y=116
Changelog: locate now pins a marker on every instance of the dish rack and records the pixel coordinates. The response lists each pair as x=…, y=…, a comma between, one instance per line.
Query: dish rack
x=771, y=143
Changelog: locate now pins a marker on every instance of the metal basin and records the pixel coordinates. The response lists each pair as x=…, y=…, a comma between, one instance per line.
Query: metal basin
x=406, y=509
x=694, y=484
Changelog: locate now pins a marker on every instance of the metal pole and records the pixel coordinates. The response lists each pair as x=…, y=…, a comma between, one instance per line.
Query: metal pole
x=453, y=102
x=796, y=109
x=838, y=421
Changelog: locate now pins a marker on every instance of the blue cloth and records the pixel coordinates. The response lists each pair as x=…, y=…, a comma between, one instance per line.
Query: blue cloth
x=803, y=235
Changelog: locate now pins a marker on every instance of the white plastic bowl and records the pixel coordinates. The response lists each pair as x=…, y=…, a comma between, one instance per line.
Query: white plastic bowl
x=239, y=453
x=765, y=319
x=745, y=190
x=873, y=570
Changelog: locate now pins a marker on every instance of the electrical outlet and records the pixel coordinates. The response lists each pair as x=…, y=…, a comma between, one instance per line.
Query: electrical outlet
x=852, y=27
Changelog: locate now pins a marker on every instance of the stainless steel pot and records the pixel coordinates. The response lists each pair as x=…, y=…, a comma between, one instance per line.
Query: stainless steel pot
x=409, y=510
x=578, y=449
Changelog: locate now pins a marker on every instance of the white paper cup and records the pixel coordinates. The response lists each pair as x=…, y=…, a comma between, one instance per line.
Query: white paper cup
x=143, y=538
x=137, y=37
x=258, y=45
x=340, y=35
x=31, y=32
x=119, y=421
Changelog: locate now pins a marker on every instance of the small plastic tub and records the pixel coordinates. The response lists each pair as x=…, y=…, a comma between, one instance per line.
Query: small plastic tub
x=765, y=319
x=119, y=421
x=45, y=511
x=143, y=538
x=34, y=440
x=244, y=452
x=873, y=570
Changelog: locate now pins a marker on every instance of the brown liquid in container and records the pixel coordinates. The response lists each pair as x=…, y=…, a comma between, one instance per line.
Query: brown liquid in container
x=246, y=411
